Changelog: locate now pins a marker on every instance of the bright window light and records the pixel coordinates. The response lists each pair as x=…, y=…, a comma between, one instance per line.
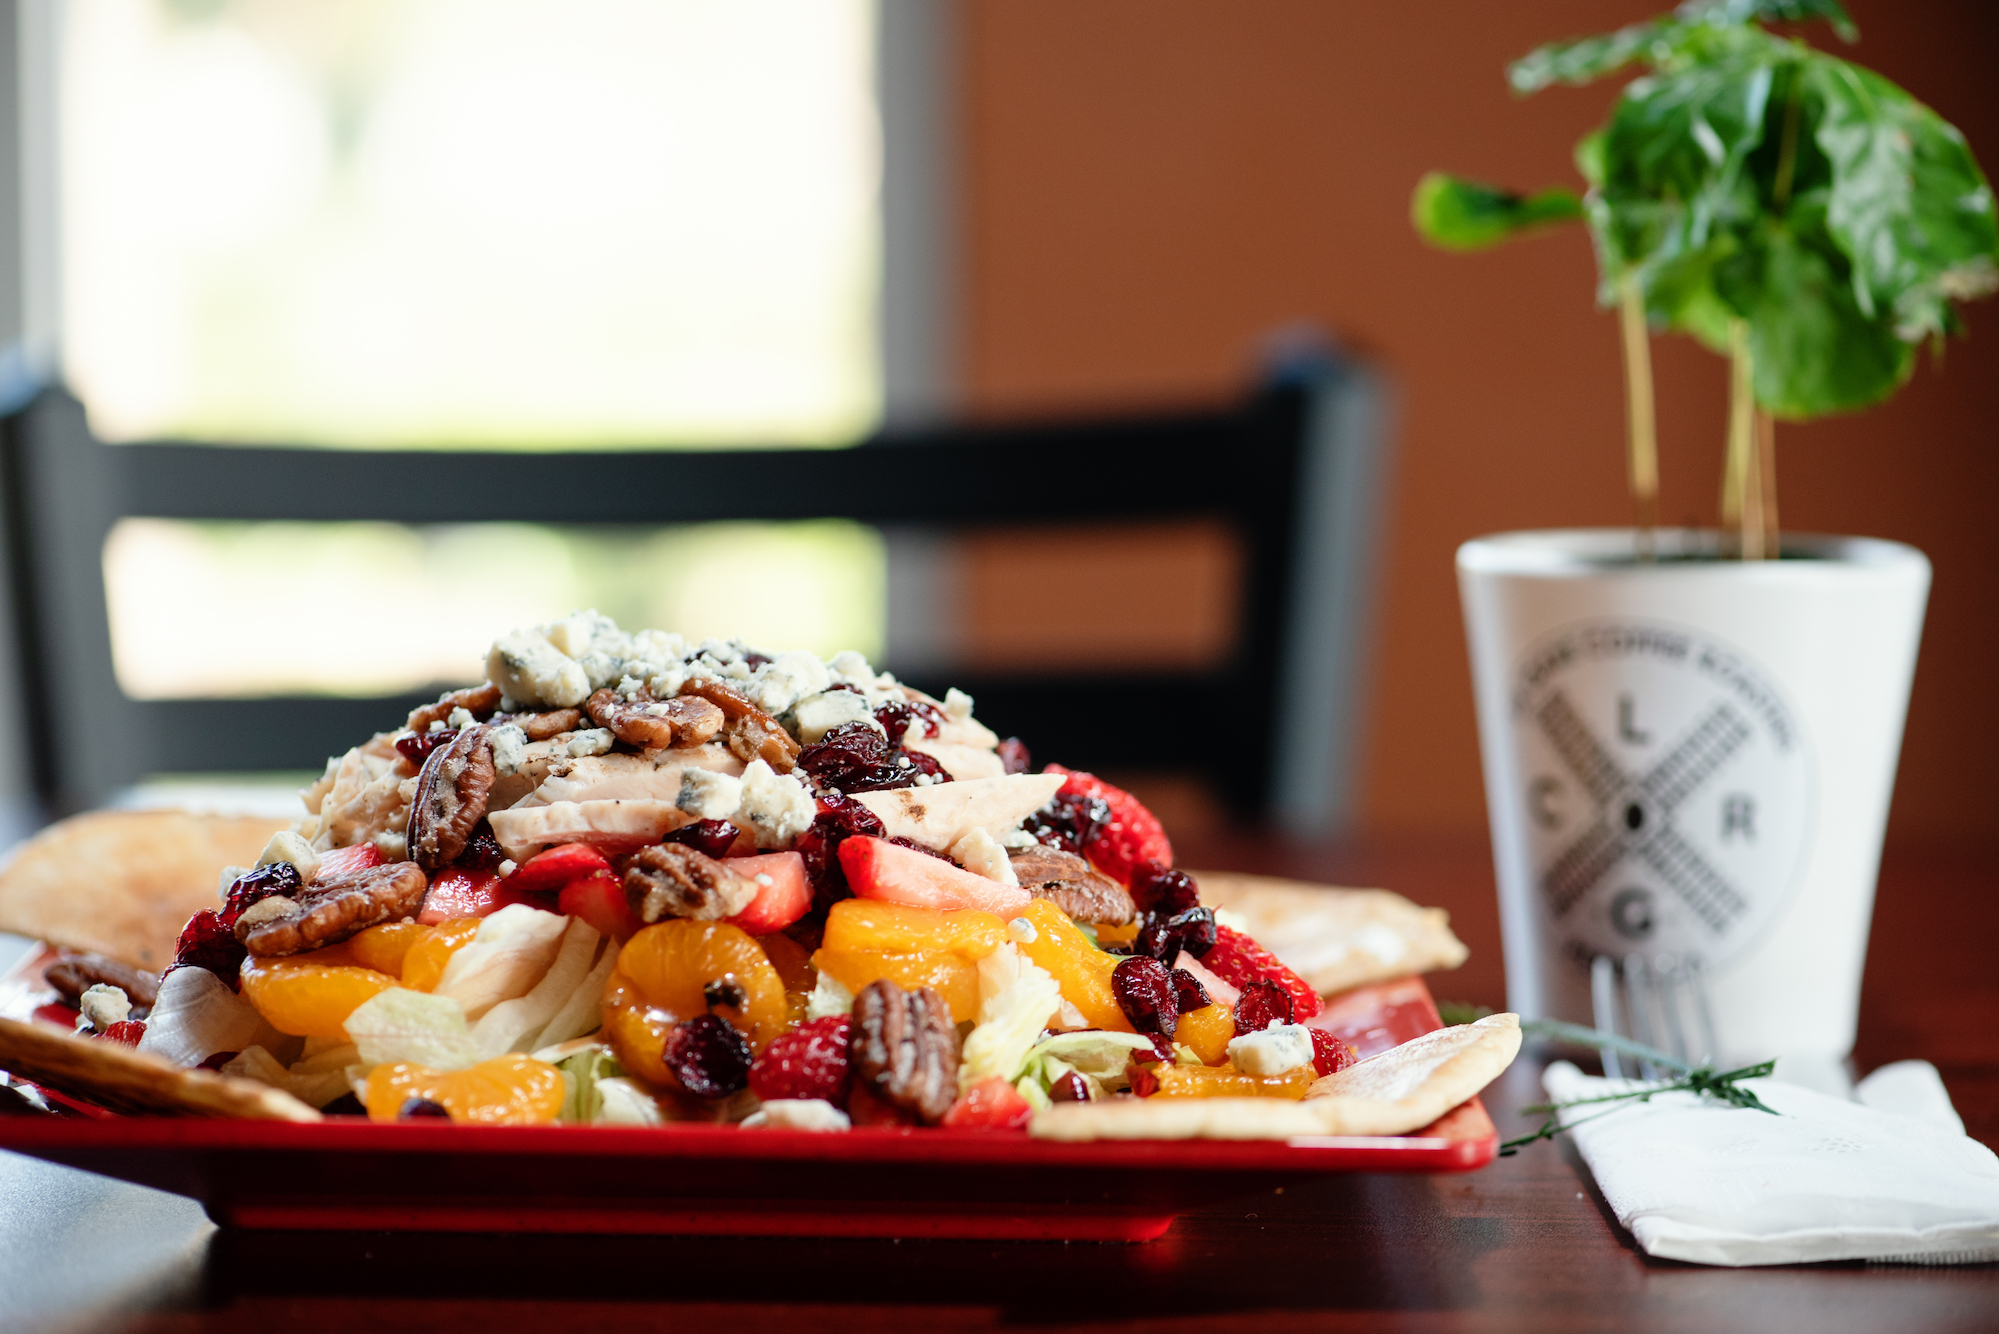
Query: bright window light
x=219, y=610
x=472, y=222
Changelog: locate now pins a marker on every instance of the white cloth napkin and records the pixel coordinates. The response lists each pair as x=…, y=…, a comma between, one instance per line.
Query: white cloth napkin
x=1824, y=1179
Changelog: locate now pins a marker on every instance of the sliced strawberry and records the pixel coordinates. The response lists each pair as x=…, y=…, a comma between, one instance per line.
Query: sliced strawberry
x=1329, y=1053
x=458, y=891
x=990, y=1104
x=1132, y=835
x=879, y=869
x=556, y=867
x=600, y=900
x=783, y=892
x=1239, y=961
x=127, y=1031
x=348, y=861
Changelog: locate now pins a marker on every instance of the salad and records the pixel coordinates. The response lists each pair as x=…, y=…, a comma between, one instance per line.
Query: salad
x=630, y=880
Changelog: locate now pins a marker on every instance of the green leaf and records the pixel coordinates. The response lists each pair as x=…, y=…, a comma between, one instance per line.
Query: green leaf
x=1457, y=214
x=1908, y=205
x=1661, y=41
x=1814, y=350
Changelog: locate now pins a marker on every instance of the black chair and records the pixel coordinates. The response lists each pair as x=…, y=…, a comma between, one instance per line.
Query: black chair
x=1292, y=470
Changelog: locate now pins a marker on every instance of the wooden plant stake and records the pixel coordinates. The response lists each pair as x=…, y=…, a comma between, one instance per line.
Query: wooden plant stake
x=1742, y=481
x=1640, y=420
x=1766, y=456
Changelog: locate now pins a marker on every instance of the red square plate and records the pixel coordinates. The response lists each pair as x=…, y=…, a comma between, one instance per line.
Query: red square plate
x=348, y=1174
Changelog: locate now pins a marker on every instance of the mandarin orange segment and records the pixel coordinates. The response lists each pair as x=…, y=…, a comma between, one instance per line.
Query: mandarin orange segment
x=793, y=964
x=952, y=976
x=678, y=969
x=1119, y=935
x=383, y=948
x=1081, y=969
x=510, y=1090
x=1207, y=1031
x=308, y=996
x=870, y=924
x=424, y=961
x=1225, y=1081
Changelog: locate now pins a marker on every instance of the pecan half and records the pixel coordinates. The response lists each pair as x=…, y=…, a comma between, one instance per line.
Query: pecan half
x=331, y=911
x=1073, y=885
x=450, y=799
x=652, y=724
x=905, y=1048
x=542, y=726
x=73, y=974
x=672, y=880
x=479, y=701
x=749, y=732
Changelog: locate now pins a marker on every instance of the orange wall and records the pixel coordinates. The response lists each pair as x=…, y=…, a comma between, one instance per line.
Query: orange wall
x=1151, y=185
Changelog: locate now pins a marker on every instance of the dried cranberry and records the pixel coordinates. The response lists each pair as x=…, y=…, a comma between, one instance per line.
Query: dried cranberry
x=208, y=942
x=1071, y=1087
x=754, y=659
x=854, y=757
x=810, y=1060
x=422, y=1108
x=1157, y=887
x=1189, y=992
x=1196, y=929
x=839, y=819
x=218, y=1060
x=1143, y=1082
x=1070, y=822
x=1013, y=755
x=1329, y=1053
x=710, y=837
x=896, y=716
x=1163, y=937
x=709, y=1057
x=279, y=878
x=724, y=993
x=1145, y=992
x=482, y=851
x=416, y=746
x=1261, y=1005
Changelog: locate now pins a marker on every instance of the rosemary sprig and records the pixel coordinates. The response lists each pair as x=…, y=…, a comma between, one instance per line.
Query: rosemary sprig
x=1723, y=1086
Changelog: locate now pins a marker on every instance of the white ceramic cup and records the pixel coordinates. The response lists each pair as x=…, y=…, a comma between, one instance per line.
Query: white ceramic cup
x=1692, y=757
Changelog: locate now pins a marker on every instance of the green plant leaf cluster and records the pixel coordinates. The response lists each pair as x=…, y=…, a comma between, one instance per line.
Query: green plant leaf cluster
x=1746, y=175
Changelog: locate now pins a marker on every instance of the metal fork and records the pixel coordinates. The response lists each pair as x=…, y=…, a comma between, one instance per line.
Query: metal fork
x=1660, y=1001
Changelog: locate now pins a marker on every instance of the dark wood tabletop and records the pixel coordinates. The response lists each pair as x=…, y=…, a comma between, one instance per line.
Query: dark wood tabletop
x=1524, y=1244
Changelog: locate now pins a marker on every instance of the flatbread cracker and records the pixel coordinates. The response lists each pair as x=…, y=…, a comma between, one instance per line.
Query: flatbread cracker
x=122, y=1079
x=1336, y=939
x=1402, y=1089
x=124, y=883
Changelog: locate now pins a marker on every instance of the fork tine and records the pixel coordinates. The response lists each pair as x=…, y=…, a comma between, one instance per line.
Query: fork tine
x=1641, y=1004
x=1603, y=1003
x=1667, y=977
x=1703, y=1012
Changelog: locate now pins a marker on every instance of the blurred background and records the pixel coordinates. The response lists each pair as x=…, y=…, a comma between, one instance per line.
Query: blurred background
x=677, y=224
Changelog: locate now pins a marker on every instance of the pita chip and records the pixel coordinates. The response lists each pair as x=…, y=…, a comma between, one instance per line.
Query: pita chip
x=1336, y=939
x=117, y=1077
x=124, y=883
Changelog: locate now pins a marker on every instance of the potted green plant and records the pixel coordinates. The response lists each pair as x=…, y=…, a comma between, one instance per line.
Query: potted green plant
x=1687, y=753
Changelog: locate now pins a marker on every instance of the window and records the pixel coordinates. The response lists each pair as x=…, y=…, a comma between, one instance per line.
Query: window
x=472, y=222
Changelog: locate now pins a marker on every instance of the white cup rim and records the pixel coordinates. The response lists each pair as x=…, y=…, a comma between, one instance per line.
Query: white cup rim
x=1557, y=552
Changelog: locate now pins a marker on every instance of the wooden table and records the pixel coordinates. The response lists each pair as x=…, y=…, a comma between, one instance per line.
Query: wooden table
x=1525, y=1244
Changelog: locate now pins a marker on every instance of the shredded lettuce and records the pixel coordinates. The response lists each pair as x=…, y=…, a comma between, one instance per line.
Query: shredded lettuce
x=1100, y=1056
x=514, y=948
x=626, y=1104
x=415, y=1026
x=197, y=1015
x=583, y=1012
x=583, y=1072
x=1017, y=999
x=517, y=1024
x=317, y=1079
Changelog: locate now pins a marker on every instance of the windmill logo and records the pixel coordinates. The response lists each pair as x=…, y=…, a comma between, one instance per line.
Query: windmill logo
x=1666, y=789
